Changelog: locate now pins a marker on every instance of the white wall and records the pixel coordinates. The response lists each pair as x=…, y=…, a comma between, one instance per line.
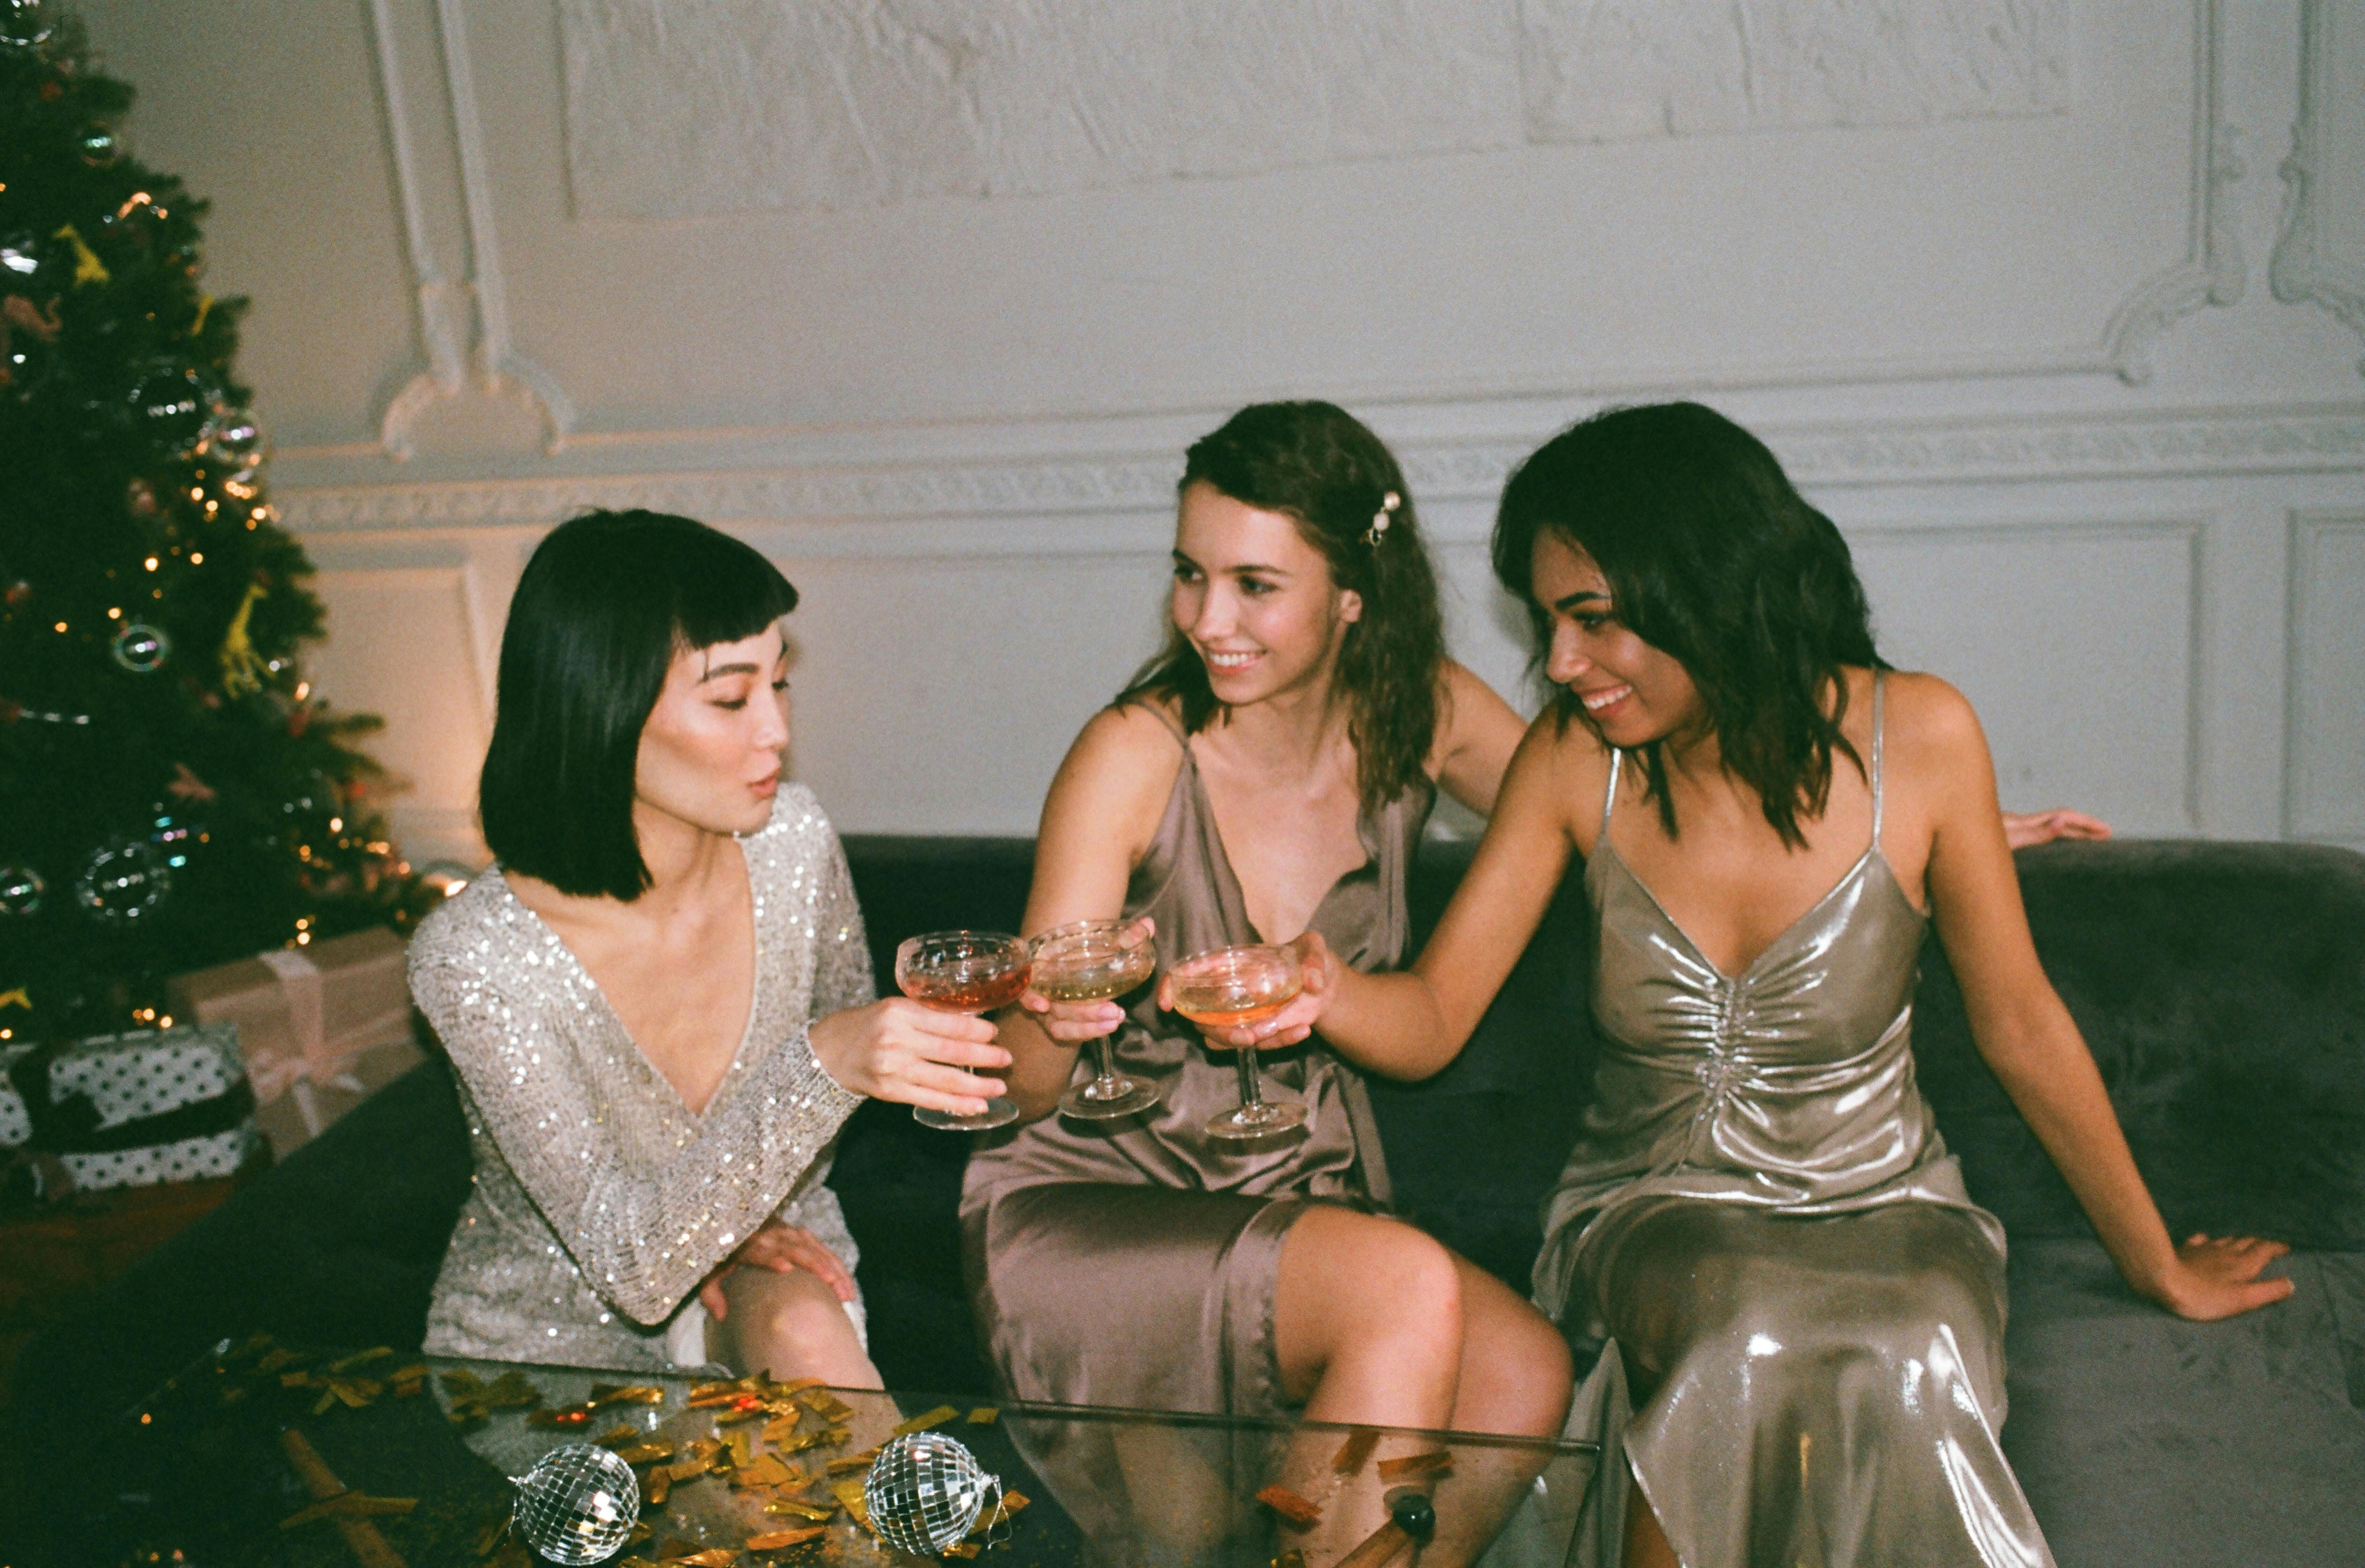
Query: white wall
x=2055, y=305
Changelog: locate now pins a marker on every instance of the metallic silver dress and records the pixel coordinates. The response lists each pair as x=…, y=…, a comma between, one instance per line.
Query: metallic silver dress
x=599, y=1199
x=1761, y=1218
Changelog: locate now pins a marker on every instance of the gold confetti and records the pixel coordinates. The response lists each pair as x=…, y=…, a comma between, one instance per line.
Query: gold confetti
x=773, y=1540
x=1353, y=1453
x=644, y=1454
x=984, y=1415
x=362, y=1358
x=1297, y=1510
x=348, y=1505
x=791, y=1508
x=606, y=1394
x=853, y=1461
x=1416, y=1464
x=765, y=1471
x=849, y=1493
x=920, y=1423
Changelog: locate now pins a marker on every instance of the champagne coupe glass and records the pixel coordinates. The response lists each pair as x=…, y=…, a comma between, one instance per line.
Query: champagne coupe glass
x=963, y=971
x=1228, y=986
x=1092, y=961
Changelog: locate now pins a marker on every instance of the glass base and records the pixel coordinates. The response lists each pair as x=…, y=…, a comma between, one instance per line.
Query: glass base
x=1255, y=1124
x=1106, y=1099
x=998, y=1113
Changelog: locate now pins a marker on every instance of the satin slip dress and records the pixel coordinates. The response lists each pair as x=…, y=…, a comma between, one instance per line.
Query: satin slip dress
x=1134, y=1263
x=1761, y=1220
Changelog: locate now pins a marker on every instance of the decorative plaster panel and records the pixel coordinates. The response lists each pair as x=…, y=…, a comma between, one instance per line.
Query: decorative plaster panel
x=678, y=111
x=1626, y=70
x=2324, y=765
x=2321, y=256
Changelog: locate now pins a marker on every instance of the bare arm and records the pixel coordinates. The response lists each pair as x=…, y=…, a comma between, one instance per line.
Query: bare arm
x=1478, y=734
x=2027, y=1036
x=1098, y=820
x=1411, y=1024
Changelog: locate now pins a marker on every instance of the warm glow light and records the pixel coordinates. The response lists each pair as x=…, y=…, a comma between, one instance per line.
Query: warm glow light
x=303, y=938
x=151, y=563
x=196, y=557
x=62, y=625
x=115, y=614
x=303, y=690
x=336, y=825
x=196, y=492
x=165, y=1022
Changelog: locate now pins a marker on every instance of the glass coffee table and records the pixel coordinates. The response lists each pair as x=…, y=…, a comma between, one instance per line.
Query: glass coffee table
x=261, y=1453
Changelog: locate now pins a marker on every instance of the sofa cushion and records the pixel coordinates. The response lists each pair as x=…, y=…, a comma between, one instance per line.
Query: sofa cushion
x=2143, y=1439
x=2221, y=988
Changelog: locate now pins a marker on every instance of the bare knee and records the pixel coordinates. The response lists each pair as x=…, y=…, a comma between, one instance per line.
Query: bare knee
x=793, y=1325
x=1517, y=1377
x=1357, y=1288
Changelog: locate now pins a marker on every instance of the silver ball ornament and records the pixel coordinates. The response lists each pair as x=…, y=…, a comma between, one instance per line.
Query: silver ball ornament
x=577, y=1504
x=20, y=890
x=924, y=1492
x=123, y=881
x=140, y=648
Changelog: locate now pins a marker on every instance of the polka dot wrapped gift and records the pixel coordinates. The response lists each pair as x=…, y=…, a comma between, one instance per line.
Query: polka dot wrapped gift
x=132, y=1110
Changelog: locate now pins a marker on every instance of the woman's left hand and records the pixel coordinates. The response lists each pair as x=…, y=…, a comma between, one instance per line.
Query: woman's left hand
x=783, y=1249
x=2219, y=1277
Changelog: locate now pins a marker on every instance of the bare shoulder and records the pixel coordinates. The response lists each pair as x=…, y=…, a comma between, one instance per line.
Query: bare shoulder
x=1559, y=772
x=1120, y=769
x=1929, y=723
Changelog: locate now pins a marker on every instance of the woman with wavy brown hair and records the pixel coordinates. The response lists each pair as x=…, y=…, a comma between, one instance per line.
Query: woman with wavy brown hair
x=1268, y=774
x=1760, y=1221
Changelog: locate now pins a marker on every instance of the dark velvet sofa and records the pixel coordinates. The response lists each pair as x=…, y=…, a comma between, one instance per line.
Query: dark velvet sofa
x=2221, y=986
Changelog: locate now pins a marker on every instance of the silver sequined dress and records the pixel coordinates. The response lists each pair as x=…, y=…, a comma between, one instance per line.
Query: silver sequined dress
x=599, y=1200
x=1762, y=1219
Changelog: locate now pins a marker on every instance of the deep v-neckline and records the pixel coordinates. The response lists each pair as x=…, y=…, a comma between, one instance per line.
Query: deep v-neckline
x=615, y=1019
x=1871, y=855
x=1229, y=874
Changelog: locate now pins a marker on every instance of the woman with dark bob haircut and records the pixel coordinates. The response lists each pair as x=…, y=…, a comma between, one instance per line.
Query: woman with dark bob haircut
x=658, y=1002
x=1759, y=1221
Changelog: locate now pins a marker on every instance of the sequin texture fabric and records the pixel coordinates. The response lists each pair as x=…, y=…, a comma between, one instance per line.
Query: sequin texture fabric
x=599, y=1200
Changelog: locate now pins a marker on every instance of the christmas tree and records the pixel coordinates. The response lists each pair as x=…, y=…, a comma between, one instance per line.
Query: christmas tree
x=171, y=793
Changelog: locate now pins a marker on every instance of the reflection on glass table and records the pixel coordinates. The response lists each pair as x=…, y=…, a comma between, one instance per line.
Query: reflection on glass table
x=417, y=1451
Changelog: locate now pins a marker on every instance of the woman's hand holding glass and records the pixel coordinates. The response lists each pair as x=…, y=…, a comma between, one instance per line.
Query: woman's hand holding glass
x=1317, y=986
x=897, y=1049
x=1087, y=965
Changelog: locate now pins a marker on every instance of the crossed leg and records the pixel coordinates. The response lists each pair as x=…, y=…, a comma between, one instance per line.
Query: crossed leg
x=1379, y=1324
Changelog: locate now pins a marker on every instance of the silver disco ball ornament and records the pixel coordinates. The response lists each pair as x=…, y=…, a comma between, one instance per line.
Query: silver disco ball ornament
x=578, y=1503
x=20, y=890
x=925, y=1492
x=123, y=881
x=140, y=648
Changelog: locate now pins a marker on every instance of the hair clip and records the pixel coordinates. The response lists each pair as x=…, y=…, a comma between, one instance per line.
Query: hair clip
x=1379, y=529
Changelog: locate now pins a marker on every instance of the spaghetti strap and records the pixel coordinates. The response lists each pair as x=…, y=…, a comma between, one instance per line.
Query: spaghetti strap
x=1610, y=796
x=1879, y=679
x=1163, y=717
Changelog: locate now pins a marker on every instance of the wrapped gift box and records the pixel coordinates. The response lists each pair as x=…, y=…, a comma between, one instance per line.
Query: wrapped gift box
x=132, y=1110
x=323, y=1027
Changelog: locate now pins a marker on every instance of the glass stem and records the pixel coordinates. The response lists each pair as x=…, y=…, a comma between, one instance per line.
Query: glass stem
x=1249, y=1094
x=1107, y=1074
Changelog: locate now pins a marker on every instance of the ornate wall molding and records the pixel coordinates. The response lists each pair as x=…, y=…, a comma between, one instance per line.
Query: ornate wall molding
x=463, y=330
x=2304, y=439
x=2306, y=267
x=2324, y=729
x=2212, y=272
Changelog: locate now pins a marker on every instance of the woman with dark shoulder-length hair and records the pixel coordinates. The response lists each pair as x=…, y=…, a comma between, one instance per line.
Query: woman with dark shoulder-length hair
x=658, y=1002
x=1760, y=1218
x=1269, y=773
